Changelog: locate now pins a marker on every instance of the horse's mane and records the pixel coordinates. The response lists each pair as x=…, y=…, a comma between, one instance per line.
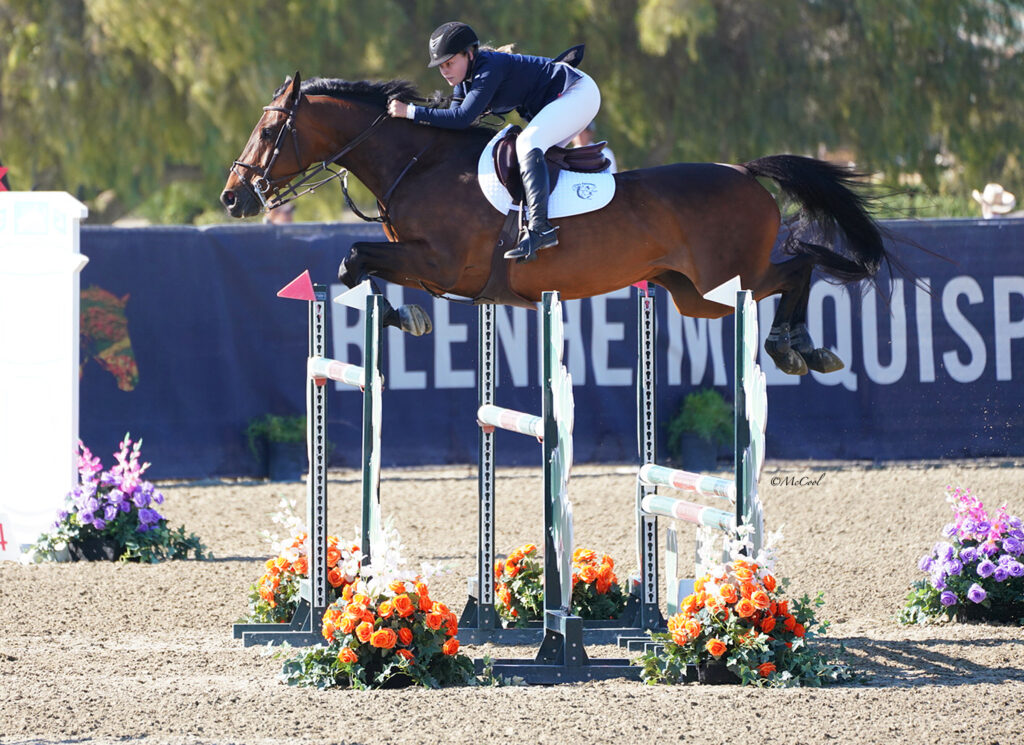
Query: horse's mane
x=364, y=90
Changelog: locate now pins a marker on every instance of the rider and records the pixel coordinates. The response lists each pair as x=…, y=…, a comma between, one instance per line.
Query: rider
x=555, y=98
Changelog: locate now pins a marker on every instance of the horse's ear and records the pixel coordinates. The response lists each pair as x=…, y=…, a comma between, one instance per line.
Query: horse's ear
x=296, y=86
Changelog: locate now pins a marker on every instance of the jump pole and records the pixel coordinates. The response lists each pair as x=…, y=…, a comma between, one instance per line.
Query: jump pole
x=304, y=627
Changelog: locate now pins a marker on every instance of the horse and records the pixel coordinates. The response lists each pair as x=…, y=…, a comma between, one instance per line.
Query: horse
x=687, y=227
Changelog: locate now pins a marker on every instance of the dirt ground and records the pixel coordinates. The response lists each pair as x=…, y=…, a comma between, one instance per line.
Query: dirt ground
x=93, y=653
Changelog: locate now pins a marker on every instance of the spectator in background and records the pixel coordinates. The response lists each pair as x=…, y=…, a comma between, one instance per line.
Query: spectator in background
x=995, y=201
x=587, y=137
x=281, y=215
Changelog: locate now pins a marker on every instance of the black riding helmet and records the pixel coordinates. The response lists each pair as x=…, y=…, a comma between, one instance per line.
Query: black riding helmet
x=448, y=40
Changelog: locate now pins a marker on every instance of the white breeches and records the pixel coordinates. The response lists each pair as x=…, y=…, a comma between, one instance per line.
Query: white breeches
x=562, y=119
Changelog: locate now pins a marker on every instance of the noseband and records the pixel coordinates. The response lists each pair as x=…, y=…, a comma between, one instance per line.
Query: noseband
x=272, y=193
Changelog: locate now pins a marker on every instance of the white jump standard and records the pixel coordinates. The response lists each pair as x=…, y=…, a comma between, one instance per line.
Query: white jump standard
x=304, y=629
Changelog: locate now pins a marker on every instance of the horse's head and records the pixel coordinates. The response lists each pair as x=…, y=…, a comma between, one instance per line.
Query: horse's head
x=272, y=157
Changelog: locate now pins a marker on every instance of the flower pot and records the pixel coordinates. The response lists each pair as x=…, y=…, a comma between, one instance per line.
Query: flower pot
x=714, y=672
x=287, y=460
x=697, y=454
x=94, y=549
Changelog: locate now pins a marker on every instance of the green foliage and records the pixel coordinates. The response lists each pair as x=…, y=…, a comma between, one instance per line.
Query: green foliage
x=704, y=412
x=275, y=428
x=159, y=543
x=127, y=97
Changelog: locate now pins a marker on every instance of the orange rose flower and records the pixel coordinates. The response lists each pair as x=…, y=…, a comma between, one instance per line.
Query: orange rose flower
x=789, y=623
x=511, y=568
x=397, y=587
x=422, y=589
x=761, y=600
x=528, y=549
x=728, y=592
x=385, y=609
x=361, y=599
x=588, y=574
x=504, y=595
x=328, y=630
x=404, y=606
x=689, y=604
x=348, y=624
x=405, y=654
x=698, y=585
x=335, y=577
x=364, y=631
x=679, y=637
x=333, y=555
x=348, y=655
x=743, y=574
x=499, y=567
x=715, y=647
x=769, y=582
x=434, y=621
x=450, y=647
x=347, y=592
x=426, y=603
x=405, y=636
x=301, y=565
x=514, y=558
x=383, y=639
x=799, y=630
x=745, y=608
x=603, y=586
x=693, y=627
x=766, y=669
x=767, y=624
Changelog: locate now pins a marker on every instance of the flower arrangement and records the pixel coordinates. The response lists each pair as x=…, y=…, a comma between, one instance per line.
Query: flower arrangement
x=519, y=590
x=977, y=572
x=384, y=630
x=274, y=598
x=737, y=619
x=115, y=512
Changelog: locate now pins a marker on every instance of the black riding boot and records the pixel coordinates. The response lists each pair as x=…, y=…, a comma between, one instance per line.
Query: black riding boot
x=538, y=233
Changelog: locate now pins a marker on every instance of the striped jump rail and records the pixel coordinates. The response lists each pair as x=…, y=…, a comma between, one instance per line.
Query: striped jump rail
x=322, y=369
x=686, y=481
x=490, y=415
x=663, y=506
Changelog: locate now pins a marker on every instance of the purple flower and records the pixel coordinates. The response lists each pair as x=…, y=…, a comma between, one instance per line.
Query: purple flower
x=110, y=512
x=983, y=526
x=1013, y=545
x=1001, y=573
x=943, y=551
x=149, y=517
x=99, y=524
x=947, y=598
x=954, y=567
x=86, y=517
x=985, y=568
x=976, y=594
x=925, y=564
x=1015, y=568
x=140, y=499
x=989, y=548
x=969, y=555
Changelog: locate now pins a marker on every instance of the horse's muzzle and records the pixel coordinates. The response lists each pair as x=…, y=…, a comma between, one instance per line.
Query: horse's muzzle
x=239, y=203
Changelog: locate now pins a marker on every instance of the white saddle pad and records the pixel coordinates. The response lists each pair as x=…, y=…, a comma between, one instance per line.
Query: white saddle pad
x=574, y=194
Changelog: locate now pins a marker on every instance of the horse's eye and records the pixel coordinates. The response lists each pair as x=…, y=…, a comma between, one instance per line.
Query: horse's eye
x=267, y=133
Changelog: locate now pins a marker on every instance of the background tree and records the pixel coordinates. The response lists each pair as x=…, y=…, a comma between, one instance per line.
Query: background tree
x=142, y=104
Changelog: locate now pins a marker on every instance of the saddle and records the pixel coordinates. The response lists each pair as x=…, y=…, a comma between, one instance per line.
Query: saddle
x=586, y=159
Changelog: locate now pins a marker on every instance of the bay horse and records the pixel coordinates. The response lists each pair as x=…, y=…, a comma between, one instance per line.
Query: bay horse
x=687, y=227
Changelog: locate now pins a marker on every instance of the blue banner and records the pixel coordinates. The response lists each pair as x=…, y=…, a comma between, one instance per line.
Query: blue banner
x=184, y=342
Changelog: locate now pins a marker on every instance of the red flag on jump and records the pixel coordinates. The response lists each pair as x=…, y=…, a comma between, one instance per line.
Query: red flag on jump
x=300, y=288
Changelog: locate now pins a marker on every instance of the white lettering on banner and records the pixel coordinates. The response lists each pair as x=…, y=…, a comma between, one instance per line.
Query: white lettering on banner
x=876, y=371
x=604, y=332
x=820, y=291
x=1006, y=330
x=772, y=374
x=699, y=335
x=447, y=333
x=963, y=372
x=513, y=336
x=923, y=308
x=398, y=376
x=575, y=346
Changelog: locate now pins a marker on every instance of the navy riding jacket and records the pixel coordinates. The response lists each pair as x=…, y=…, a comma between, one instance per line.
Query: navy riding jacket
x=499, y=83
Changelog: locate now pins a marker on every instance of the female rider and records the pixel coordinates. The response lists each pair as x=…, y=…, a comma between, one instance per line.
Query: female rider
x=555, y=98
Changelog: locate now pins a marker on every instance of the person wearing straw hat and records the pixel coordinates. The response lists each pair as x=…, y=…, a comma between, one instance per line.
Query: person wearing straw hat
x=994, y=200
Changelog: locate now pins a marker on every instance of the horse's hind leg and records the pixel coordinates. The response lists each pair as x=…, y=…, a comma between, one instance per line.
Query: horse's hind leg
x=789, y=343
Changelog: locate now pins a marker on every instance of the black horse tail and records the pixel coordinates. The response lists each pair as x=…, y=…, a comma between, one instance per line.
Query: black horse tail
x=828, y=203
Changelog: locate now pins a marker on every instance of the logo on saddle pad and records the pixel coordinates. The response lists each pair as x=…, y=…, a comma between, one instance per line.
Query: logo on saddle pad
x=574, y=194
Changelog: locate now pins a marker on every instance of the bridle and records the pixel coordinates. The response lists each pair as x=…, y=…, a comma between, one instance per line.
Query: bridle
x=272, y=193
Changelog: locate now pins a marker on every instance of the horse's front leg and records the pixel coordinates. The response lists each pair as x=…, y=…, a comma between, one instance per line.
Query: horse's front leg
x=388, y=260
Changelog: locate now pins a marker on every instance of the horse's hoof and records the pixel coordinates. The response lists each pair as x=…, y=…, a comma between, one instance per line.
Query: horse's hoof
x=823, y=361
x=790, y=362
x=414, y=320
